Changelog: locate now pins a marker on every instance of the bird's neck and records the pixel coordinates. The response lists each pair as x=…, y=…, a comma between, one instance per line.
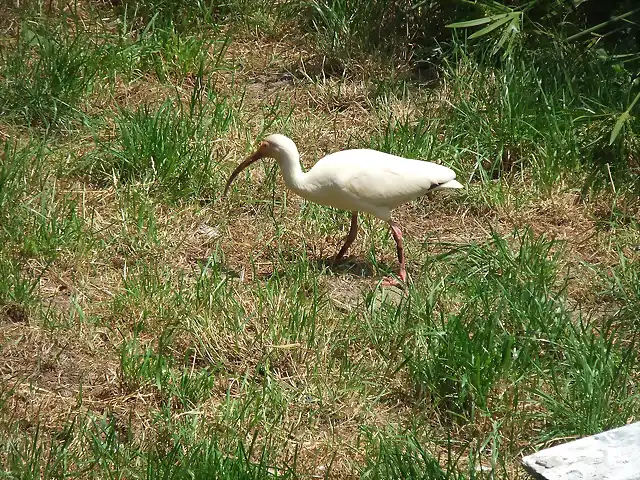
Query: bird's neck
x=292, y=172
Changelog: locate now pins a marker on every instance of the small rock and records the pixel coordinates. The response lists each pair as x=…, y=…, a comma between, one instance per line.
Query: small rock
x=208, y=231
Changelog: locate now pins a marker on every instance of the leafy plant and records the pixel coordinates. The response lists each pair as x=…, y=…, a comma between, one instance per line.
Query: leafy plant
x=622, y=120
x=509, y=24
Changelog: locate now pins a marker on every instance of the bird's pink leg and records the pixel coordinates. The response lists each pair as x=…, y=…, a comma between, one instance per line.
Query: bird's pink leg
x=397, y=236
x=353, y=231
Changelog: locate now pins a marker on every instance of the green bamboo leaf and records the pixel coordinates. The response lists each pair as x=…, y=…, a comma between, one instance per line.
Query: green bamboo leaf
x=622, y=119
x=506, y=34
x=490, y=28
x=604, y=24
x=477, y=21
x=633, y=104
x=501, y=6
x=510, y=34
x=470, y=23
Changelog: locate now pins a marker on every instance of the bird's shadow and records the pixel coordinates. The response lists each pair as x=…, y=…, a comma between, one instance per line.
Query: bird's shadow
x=348, y=265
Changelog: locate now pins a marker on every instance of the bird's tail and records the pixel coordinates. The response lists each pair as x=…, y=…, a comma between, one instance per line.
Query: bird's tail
x=449, y=184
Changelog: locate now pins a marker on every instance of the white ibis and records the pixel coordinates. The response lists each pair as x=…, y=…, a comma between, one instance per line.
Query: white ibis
x=357, y=180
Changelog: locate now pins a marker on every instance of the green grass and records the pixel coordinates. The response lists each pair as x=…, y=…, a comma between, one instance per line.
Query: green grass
x=593, y=387
x=38, y=219
x=180, y=15
x=48, y=72
x=622, y=284
x=403, y=456
x=152, y=329
x=166, y=148
x=347, y=29
x=168, y=54
x=107, y=451
x=39, y=225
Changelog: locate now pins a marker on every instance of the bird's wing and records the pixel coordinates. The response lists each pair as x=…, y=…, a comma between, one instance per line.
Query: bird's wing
x=386, y=180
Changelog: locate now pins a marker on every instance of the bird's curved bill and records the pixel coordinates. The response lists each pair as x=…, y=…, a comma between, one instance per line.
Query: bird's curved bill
x=257, y=155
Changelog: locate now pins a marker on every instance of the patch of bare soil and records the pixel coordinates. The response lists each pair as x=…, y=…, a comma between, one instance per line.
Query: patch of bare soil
x=54, y=375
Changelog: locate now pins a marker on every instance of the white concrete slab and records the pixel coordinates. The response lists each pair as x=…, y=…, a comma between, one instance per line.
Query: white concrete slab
x=611, y=455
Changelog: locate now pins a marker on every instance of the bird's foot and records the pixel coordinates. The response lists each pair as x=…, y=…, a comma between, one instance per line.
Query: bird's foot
x=392, y=282
x=395, y=281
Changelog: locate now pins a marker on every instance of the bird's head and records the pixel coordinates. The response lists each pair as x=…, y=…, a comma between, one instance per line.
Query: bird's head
x=275, y=146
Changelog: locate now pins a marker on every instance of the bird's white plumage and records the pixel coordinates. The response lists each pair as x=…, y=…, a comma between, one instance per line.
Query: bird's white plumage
x=358, y=180
x=372, y=181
